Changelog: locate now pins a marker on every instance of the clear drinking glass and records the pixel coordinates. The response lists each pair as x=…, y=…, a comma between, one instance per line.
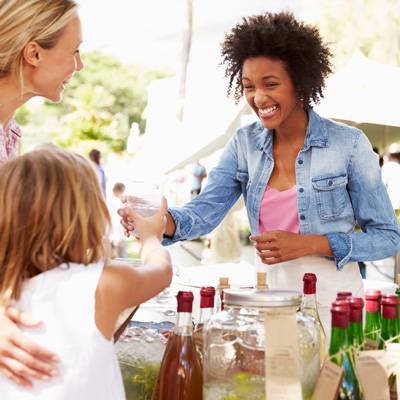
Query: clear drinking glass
x=143, y=197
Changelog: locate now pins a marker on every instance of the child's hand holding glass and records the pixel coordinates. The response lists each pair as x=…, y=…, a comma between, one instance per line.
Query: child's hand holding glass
x=145, y=226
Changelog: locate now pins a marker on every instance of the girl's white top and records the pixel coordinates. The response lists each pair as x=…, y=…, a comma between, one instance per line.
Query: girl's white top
x=64, y=299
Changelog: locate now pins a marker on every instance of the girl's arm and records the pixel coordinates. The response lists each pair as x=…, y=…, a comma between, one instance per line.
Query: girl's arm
x=122, y=286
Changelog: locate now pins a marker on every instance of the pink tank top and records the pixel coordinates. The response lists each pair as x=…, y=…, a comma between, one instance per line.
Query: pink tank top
x=278, y=211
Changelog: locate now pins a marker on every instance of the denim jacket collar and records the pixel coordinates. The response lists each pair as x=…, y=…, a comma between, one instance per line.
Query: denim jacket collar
x=316, y=134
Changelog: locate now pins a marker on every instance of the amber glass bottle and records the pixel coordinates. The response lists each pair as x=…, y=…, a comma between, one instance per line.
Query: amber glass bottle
x=180, y=376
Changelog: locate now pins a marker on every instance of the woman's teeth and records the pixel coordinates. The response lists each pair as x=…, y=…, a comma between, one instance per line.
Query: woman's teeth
x=266, y=112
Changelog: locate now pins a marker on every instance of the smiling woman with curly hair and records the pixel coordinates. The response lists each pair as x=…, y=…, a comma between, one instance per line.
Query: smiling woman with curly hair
x=279, y=36
x=306, y=180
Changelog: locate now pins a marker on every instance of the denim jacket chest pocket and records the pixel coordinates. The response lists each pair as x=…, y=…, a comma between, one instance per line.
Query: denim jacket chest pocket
x=331, y=195
x=243, y=178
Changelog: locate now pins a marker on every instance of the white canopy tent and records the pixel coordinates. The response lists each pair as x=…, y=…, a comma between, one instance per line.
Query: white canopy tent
x=364, y=94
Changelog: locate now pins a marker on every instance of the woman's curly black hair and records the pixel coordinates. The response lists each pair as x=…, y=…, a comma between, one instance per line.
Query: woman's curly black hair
x=280, y=36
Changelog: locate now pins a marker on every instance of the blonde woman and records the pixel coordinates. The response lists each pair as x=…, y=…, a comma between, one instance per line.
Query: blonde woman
x=61, y=276
x=39, y=53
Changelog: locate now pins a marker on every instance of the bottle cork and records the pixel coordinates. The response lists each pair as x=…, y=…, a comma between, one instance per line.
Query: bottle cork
x=224, y=283
x=261, y=280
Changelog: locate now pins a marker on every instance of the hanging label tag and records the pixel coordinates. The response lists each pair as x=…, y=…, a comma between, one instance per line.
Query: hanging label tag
x=372, y=374
x=329, y=381
x=370, y=344
x=282, y=367
x=393, y=366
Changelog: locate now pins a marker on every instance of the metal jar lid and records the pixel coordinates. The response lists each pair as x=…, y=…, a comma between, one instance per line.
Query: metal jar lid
x=262, y=298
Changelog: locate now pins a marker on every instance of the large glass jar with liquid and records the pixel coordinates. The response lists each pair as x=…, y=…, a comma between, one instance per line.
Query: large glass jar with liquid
x=236, y=342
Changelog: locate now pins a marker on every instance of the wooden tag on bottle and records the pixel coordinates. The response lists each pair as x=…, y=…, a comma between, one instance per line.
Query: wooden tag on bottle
x=329, y=381
x=370, y=344
x=282, y=366
x=393, y=365
x=372, y=374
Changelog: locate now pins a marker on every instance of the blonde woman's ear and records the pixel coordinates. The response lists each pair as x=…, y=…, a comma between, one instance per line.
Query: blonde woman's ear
x=32, y=54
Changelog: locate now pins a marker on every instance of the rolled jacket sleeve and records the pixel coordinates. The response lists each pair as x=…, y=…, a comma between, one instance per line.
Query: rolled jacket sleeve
x=379, y=237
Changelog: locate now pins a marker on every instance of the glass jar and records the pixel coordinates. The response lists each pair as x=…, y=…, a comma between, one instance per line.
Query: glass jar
x=234, y=356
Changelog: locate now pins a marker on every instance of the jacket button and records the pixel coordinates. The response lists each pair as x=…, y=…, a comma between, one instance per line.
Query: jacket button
x=330, y=183
x=302, y=217
x=300, y=161
x=301, y=190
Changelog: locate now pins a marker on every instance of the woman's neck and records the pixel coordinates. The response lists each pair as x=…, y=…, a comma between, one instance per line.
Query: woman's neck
x=294, y=129
x=10, y=99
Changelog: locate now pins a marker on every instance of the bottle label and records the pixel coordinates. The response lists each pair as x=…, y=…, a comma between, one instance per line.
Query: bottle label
x=373, y=375
x=329, y=382
x=282, y=367
x=370, y=344
x=393, y=365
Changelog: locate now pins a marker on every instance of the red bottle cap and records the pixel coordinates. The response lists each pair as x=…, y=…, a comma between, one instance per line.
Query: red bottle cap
x=185, y=301
x=310, y=283
x=373, y=300
x=343, y=295
x=389, y=306
x=340, y=314
x=207, y=295
x=356, y=306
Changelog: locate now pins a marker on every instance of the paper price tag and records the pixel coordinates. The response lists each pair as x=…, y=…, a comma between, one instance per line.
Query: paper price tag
x=329, y=381
x=372, y=374
x=282, y=366
x=370, y=344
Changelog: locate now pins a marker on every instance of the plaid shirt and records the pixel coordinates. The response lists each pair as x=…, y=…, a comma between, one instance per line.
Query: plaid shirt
x=9, y=139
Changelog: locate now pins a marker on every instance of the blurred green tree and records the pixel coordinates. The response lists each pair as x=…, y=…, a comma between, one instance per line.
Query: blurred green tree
x=98, y=107
x=368, y=25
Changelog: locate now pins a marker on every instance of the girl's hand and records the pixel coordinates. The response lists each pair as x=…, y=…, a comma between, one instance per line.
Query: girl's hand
x=277, y=246
x=150, y=226
x=21, y=359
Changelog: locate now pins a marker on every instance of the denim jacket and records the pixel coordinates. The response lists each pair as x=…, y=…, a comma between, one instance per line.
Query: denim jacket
x=338, y=184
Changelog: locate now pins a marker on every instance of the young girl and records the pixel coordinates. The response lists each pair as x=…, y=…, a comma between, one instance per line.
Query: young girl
x=53, y=222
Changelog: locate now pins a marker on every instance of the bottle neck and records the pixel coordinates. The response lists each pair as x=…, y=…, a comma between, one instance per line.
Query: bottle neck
x=184, y=326
x=339, y=342
x=205, y=315
x=356, y=337
x=309, y=301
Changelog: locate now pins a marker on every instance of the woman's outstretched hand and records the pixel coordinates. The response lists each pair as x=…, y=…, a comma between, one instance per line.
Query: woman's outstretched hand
x=277, y=246
x=21, y=359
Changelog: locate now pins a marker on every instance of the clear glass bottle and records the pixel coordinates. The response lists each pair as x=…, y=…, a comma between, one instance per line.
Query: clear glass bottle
x=372, y=329
x=309, y=306
x=339, y=350
x=222, y=285
x=234, y=345
x=356, y=336
x=390, y=326
x=207, y=295
x=180, y=376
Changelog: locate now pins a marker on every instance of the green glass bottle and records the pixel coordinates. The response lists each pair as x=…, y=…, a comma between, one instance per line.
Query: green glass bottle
x=339, y=350
x=398, y=298
x=372, y=329
x=390, y=326
x=356, y=335
x=343, y=295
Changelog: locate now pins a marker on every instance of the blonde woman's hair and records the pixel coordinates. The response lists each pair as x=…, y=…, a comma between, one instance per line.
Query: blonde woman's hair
x=52, y=211
x=24, y=21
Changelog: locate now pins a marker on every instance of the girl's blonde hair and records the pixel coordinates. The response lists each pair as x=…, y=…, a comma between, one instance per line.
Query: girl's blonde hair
x=52, y=211
x=24, y=21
